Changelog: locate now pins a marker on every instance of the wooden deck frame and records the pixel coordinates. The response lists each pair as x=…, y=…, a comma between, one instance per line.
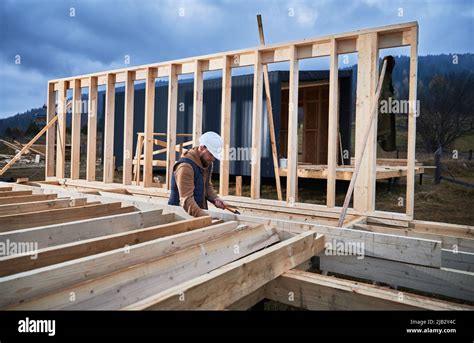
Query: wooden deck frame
x=365, y=42
x=77, y=257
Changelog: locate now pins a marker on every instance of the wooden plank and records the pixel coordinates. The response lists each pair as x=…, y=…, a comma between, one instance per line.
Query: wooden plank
x=6, y=189
x=333, y=121
x=171, y=125
x=256, y=127
x=92, y=130
x=63, y=233
x=61, y=253
x=269, y=106
x=61, y=130
x=148, y=131
x=109, y=168
x=22, y=221
x=447, y=229
x=445, y=282
x=458, y=260
x=26, y=198
x=51, y=133
x=197, y=101
x=76, y=130
x=364, y=190
x=128, y=129
x=453, y=241
x=8, y=194
x=61, y=276
x=40, y=206
x=226, y=110
x=412, y=114
x=292, y=177
x=230, y=283
x=313, y=291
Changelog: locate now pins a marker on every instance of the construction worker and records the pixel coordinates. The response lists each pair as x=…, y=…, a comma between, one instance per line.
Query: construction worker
x=191, y=185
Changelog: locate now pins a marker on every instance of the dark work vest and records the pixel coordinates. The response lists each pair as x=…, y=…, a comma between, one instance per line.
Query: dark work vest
x=198, y=184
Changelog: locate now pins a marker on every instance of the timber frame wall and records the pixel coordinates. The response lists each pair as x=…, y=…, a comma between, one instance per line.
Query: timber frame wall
x=365, y=42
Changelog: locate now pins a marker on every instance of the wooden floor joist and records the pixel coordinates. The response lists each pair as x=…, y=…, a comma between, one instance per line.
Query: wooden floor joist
x=26, y=220
x=228, y=284
x=57, y=234
x=49, y=256
x=313, y=291
x=157, y=257
x=142, y=280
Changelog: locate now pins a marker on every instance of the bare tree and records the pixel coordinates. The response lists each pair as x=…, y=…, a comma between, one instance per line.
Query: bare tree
x=446, y=112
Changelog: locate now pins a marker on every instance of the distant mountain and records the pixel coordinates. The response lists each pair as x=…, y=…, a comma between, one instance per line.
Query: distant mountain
x=20, y=120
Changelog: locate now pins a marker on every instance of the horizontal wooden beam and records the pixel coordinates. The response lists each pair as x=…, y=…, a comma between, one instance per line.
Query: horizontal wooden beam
x=445, y=282
x=28, y=220
x=26, y=198
x=313, y=291
x=231, y=282
x=40, y=206
x=14, y=193
x=142, y=280
x=310, y=47
x=63, y=233
x=61, y=253
x=18, y=288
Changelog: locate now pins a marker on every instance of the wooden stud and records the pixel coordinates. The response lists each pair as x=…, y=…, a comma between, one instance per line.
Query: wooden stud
x=412, y=114
x=76, y=130
x=367, y=75
x=198, y=100
x=172, y=119
x=61, y=130
x=332, y=125
x=292, y=174
x=238, y=185
x=128, y=129
x=256, y=126
x=26, y=198
x=109, y=170
x=225, y=125
x=92, y=129
x=148, y=134
x=269, y=106
x=51, y=133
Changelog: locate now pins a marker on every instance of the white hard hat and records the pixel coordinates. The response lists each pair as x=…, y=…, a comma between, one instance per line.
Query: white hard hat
x=213, y=143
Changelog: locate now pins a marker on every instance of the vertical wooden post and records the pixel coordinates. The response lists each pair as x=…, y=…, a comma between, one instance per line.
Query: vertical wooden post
x=292, y=169
x=238, y=185
x=197, y=106
x=413, y=113
x=332, y=125
x=269, y=106
x=225, y=125
x=256, y=126
x=149, y=123
x=92, y=129
x=76, y=129
x=51, y=133
x=367, y=75
x=61, y=129
x=128, y=128
x=171, y=131
x=109, y=129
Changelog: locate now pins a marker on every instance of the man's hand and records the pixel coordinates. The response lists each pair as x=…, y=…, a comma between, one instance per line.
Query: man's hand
x=219, y=203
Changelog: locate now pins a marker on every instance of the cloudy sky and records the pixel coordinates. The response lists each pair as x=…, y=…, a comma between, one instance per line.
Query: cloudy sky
x=48, y=39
